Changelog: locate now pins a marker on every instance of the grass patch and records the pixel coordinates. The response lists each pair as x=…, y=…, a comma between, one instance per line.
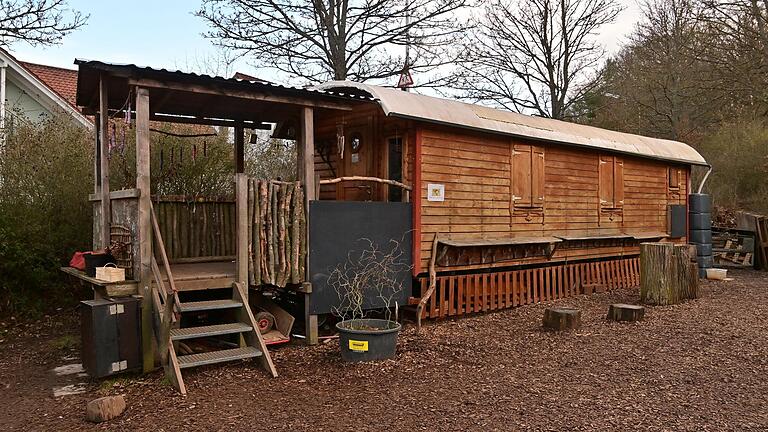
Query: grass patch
x=66, y=342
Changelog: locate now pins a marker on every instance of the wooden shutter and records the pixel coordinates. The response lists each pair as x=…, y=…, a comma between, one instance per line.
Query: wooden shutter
x=674, y=178
x=537, y=177
x=605, y=175
x=521, y=176
x=618, y=182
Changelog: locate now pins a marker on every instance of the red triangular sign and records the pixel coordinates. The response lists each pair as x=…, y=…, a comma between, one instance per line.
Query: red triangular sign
x=405, y=80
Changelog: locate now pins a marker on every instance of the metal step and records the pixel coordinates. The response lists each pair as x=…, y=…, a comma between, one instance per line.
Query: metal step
x=213, y=357
x=206, y=331
x=208, y=305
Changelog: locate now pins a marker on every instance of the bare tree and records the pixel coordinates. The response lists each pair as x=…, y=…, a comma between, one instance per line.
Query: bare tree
x=318, y=40
x=534, y=55
x=37, y=22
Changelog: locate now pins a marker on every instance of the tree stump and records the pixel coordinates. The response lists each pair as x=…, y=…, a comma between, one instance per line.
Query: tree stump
x=562, y=318
x=625, y=312
x=666, y=274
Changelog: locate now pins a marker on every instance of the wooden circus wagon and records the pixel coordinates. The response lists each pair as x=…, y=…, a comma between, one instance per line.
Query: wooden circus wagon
x=493, y=209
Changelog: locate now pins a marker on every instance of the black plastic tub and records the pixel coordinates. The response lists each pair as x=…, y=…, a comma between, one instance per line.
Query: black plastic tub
x=368, y=339
x=93, y=260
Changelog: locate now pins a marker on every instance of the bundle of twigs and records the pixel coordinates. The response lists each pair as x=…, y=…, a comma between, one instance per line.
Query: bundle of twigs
x=277, y=232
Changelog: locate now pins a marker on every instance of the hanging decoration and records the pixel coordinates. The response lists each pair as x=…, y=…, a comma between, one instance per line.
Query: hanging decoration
x=340, y=138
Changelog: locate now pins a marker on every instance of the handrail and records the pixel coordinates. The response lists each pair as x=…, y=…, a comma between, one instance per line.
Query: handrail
x=171, y=297
x=370, y=179
x=432, y=284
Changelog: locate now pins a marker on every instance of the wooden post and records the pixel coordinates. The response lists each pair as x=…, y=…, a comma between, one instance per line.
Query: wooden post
x=106, y=211
x=144, y=224
x=306, y=171
x=241, y=203
x=239, y=150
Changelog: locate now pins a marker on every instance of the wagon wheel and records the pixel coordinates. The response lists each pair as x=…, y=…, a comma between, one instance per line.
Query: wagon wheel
x=265, y=321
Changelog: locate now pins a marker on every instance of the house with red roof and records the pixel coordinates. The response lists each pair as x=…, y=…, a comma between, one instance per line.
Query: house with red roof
x=36, y=91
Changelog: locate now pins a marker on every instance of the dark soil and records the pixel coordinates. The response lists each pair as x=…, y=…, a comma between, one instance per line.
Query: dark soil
x=698, y=366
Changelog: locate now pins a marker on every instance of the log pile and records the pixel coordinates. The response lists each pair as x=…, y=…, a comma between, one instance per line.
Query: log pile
x=277, y=235
x=668, y=273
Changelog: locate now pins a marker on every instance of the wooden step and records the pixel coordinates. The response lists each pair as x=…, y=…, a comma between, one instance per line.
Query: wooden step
x=207, y=331
x=209, y=305
x=213, y=357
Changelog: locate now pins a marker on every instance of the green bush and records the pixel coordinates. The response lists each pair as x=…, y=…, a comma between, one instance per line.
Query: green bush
x=46, y=174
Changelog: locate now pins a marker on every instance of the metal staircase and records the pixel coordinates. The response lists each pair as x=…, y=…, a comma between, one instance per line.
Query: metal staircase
x=170, y=332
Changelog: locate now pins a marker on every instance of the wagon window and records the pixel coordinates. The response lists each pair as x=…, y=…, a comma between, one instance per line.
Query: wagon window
x=611, y=182
x=527, y=177
x=674, y=178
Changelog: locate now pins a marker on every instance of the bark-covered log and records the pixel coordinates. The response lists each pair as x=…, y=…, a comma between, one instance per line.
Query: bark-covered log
x=665, y=273
x=625, y=312
x=562, y=318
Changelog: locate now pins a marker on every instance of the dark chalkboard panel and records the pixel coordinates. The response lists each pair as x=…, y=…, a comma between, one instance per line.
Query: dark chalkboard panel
x=336, y=229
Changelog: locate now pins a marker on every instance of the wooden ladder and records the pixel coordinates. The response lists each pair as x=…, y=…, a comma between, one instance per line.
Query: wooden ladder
x=169, y=331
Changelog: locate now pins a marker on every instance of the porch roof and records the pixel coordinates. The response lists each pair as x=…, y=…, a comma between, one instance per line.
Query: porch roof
x=184, y=97
x=414, y=106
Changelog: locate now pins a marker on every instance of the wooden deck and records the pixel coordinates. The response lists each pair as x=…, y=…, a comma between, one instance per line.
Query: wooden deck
x=202, y=275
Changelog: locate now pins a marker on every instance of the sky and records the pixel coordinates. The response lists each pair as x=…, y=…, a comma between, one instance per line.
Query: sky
x=165, y=34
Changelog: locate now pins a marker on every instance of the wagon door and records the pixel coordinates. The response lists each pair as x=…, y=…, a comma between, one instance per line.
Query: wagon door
x=358, y=161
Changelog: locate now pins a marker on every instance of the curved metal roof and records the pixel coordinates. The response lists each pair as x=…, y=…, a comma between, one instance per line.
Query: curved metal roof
x=398, y=103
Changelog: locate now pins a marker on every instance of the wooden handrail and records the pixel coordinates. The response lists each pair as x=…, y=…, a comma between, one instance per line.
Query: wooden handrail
x=171, y=298
x=369, y=179
x=432, y=284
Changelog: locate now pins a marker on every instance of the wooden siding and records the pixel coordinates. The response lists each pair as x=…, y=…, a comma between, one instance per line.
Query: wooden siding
x=475, y=169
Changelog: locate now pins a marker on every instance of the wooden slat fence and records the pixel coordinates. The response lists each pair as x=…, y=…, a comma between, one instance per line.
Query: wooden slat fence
x=277, y=237
x=480, y=292
x=196, y=228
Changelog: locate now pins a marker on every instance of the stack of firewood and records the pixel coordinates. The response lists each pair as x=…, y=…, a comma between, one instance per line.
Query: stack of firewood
x=277, y=235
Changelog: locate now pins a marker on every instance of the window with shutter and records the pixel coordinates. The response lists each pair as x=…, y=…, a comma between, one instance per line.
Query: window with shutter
x=611, y=178
x=527, y=177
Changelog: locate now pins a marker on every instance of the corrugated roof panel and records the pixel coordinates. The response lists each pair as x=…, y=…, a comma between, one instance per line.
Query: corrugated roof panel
x=398, y=103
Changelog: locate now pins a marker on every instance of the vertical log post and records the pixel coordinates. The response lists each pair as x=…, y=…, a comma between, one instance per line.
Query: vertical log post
x=106, y=211
x=306, y=168
x=145, y=224
x=241, y=201
x=241, y=209
x=97, y=238
x=239, y=149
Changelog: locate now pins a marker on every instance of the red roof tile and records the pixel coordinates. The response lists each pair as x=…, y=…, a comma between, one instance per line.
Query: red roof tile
x=60, y=80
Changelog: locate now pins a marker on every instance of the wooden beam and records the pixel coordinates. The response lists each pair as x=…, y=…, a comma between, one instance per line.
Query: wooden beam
x=242, y=94
x=106, y=209
x=416, y=203
x=239, y=149
x=306, y=174
x=144, y=224
x=241, y=203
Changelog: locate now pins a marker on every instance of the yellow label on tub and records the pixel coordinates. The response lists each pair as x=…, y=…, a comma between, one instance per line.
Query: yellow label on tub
x=359, y=346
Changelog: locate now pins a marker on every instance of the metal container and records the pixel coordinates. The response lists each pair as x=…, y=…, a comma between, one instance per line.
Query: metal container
x=111, y=336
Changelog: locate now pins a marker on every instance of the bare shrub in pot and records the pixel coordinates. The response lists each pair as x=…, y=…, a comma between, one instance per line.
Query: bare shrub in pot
x=369, y=279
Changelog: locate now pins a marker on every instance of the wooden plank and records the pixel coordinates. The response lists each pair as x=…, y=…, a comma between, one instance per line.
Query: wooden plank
x=242, y=255
x=451, y=296
x=239, y=149
x=460, y=295
x=144, y=226
x=106, y=209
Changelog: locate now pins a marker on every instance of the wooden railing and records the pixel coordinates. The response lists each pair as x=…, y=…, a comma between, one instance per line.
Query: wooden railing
x=197, y=229
x=407, y=189
x=164, y=299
